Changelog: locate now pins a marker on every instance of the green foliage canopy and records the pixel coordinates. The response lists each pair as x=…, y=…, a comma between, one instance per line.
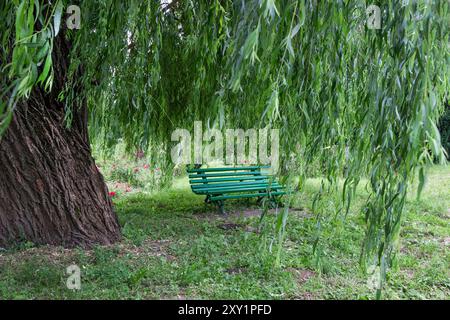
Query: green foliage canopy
x=367, y=100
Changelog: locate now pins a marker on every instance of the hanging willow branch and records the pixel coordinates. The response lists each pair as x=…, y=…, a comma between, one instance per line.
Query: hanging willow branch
x=349, y=96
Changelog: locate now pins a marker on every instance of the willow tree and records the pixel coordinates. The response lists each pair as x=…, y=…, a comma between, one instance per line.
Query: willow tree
x=342, y=93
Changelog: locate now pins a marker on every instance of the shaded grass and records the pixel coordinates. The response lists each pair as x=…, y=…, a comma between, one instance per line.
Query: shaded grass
x=175, y=246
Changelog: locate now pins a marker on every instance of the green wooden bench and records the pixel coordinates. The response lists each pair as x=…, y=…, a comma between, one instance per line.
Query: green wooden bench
x=220, y=184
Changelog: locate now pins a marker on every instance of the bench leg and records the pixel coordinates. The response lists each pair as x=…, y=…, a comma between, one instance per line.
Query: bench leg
x=220, y=206
x=260, y=201
x=276, y=202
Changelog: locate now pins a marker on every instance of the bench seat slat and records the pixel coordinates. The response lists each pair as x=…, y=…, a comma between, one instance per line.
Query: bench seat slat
x=204, y=181
x=230, y=184
x=235, y=186
x=238, y=189
x=247, y=195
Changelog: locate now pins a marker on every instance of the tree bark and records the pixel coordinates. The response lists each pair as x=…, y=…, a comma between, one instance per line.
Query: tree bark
x=51, y=191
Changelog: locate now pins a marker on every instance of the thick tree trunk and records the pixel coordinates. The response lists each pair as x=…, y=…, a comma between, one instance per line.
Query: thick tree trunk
x=51, y=191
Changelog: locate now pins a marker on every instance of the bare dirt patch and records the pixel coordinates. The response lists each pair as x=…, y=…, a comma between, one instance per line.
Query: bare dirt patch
x=230, y=226
x=53, y=254
x=446, y=242
x=409, y=273
x=298, y=212
x=446, y=215
x=153, y=248
x=306, y=296
x=236, y=270
x=302, y=275
x=60, y=255
x=252, y=212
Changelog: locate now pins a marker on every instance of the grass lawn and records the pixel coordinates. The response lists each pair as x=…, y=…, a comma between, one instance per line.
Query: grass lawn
x=176, y=247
